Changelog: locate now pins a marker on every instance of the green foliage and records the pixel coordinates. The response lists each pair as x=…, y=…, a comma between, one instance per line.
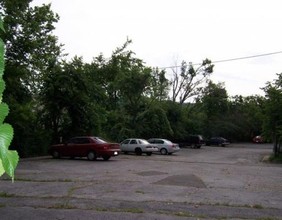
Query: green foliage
x=8, y=158
x=273, y=119
x=153, y=123
x=31, y=52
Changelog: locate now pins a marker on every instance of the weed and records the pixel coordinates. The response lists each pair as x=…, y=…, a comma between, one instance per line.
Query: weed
x=6, y=195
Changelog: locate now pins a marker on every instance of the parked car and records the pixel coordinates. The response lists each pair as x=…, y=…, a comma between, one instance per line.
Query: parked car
x=193, y=141
x=138, y=146
x=165, y=146
x=85, y=146
x=219, y=141
x=258, y=139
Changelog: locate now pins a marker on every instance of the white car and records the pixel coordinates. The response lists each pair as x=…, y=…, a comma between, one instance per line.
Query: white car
x=165, y=146
x=138, y=146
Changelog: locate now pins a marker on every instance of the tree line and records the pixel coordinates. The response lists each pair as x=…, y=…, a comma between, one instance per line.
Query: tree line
x=51, y=99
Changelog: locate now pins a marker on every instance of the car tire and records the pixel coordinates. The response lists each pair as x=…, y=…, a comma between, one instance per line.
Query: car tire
x=105, y=158
x=55, y=154
x=138, y=151
x=149, y=153
x=91, y=155
x=163, y=151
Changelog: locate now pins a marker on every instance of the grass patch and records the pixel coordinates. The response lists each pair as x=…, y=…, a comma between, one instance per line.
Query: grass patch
x=140, y=192
x=63, y=206
x=39, y=181
x=6, y=195
x=275, y=159
x=256, y=206
x=129, y=210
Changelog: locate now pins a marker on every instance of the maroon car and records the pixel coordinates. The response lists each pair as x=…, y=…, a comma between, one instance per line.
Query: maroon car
x=87, y=146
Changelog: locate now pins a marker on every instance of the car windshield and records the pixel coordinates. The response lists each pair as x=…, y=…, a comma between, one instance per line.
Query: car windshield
x=143, y=141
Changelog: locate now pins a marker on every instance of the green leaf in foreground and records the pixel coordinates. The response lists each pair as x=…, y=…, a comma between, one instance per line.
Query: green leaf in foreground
x=4, y=110
x=9, y=158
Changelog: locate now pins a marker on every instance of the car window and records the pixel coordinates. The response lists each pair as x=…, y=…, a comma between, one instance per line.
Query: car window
x=84, y=141
x=73, y=141
x=133, y=142
x=125, y=142
x=159, y=141
x=81, y=141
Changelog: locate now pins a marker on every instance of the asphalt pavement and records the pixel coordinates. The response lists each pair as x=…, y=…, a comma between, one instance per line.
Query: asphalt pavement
x=207, y=183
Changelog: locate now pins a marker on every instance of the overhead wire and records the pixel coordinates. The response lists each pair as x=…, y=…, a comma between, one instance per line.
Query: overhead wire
x=229, y=60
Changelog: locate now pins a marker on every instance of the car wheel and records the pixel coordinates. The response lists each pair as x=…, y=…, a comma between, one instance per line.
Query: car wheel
x=91, y=155
x=106, y=158
x=138, y=151
x=163, y=151
x=149, y=153
x=55, y=154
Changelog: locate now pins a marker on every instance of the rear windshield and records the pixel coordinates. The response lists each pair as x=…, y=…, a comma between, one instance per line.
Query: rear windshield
x=143, y=141
x=99, y=140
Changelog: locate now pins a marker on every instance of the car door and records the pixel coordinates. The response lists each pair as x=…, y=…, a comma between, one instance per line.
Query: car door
x=69, y=147
x=125, y=145
x=132, y=145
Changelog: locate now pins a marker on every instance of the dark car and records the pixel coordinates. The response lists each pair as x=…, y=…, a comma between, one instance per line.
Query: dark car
x=86, y=146
x=258, y=139
x=219, y=141
x=193, y=141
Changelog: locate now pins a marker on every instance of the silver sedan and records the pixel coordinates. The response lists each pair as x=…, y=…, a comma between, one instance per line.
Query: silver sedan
x=138, y=146
x=165, y=146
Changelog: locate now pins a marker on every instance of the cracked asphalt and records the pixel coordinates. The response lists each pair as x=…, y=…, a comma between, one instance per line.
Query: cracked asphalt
x=208, y=183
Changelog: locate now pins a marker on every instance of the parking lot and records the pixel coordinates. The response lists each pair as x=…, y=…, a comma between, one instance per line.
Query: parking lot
x=207, y=183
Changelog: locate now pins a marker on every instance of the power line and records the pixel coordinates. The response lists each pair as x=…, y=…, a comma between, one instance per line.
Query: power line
x=231, y=59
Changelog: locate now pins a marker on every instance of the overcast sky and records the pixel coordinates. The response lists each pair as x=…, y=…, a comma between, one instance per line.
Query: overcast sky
x=165, y=32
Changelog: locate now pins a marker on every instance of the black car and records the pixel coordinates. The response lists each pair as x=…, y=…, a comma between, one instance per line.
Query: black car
x=219, y=141
x=193, y=141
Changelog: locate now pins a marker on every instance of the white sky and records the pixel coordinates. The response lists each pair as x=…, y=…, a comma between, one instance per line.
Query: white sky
x=165, y=32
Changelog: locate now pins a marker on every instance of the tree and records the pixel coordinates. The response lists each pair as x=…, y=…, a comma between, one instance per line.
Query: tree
x=246, y=115
x=273, y=119
x=159, y=85
x=215, y=105
x=188, y=82
x=71, y=103
x=31, y=48
x=153, y=123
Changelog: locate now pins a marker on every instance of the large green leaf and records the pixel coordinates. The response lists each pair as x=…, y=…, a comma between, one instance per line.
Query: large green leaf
x=2, y=65
x=2, y=87
x=2, y=170
x=1, y=25
x=4, y=110
x=9, y=158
